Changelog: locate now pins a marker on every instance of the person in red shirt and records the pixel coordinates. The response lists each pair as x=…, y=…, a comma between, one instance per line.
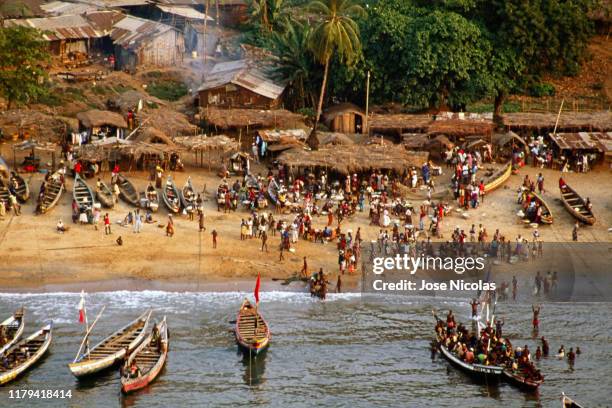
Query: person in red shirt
x=78, y=168
x=107, y=225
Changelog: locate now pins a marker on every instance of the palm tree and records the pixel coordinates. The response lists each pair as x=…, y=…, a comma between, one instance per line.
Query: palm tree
x=336, y=33
x=295, y=65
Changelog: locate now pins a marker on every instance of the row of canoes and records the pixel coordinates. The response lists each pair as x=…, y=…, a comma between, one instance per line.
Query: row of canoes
x=85, y=197
x=142, y=349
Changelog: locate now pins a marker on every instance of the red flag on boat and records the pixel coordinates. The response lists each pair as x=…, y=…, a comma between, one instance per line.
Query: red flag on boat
x=257, y=284
x=82, y=308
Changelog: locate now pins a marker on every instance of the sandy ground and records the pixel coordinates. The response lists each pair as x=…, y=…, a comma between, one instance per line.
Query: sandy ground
x=34, y=257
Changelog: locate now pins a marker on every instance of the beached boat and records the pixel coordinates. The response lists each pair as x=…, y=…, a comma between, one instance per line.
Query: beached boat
x=518, y=379
x=112, y=349
x=498, y=178
x=149, y=357
x=105, y=195
x=127, y=191
x=252, y=332
x=547, y=217
x=567, y=402
x=54, y=188
x=11, y=330
x=22, y=189
x=23, y=355
x=188, y=196
x=4, y=191
x=576, y=205
x=149, y=199
x=82, y=193
x=171, y=196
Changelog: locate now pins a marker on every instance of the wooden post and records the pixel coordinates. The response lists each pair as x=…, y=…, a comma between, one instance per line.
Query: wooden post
x=367, y=110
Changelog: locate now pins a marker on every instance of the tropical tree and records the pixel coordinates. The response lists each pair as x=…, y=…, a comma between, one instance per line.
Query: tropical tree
x=21, y=73
x=295, y=63
x=269, y=15
x=335, y=34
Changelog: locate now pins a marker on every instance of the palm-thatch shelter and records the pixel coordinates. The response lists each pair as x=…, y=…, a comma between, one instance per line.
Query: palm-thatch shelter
x=97, y=118
x=415, y=141
x=251, y=118
x=568, y=122
x=397, y=124
x=346, y=159
x=458, y=129
x=217, y=148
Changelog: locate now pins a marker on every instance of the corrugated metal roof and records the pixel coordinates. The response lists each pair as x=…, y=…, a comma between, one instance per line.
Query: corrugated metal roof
x=104, y=20
x=66, y=27
x=584, y=141
x=132, y=31
x=61, y=7
x=241, y=74
x=185, y=11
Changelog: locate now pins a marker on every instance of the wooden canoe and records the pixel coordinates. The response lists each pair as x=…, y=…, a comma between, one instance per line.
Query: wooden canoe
x=498, y=178
x=547, y=217
x=476, y=371
x=104, y=195
x=82, y=194
x=188, y=197
x=149, y=357
x=22, y=189
x=23, y=355
x=171, y=196
x=127, y=191
x=4, y=191
x=11, y=329
x=567, y=402
x=576, y=205
x=252, y=332
x=112, y=349
x=519, y=380
x=149, y=199
x=53, y=192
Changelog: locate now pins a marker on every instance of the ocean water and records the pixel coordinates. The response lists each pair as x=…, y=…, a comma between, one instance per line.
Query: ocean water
x=348, y=351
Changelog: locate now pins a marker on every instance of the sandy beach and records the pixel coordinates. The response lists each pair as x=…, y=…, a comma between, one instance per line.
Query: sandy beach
x=33, y=256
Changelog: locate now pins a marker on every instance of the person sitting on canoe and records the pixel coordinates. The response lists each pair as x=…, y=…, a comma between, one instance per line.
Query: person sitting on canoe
x=450, y=321
x=588, y=204
x=561, y=183
x=134, y=371
x=156, y=337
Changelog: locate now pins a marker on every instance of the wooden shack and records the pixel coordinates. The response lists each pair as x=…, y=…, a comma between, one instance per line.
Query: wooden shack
x=238, y=84
x=345, y=118
x=232, y=12
x=143, y=42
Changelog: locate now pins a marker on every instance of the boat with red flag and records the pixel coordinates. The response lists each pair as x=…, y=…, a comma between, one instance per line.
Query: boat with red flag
x=252, y=331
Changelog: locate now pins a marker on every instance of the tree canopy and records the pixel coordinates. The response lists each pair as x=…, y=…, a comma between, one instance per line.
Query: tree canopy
x=21, y=67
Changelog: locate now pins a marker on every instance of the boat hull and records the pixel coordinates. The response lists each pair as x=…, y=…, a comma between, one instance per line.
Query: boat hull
x=500, y=180
x=42, y=350
x=521, y=382
x=588, y=218
x=84, y=369
x=476, y=371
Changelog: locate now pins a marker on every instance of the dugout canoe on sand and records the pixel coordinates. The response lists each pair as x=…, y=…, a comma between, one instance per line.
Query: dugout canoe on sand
x=22, y=189
x=111, y=350
x=252, y=332
x=498, y=178
x=127, y=191
x=576, y=205
x=12, y=329
x=149, y=199
x=188, y=196
x=149, y=358
x=54, y=187
x=23, y=355
x=171, y=196
x=546, y=216
x=82, y=193
x=105, y=195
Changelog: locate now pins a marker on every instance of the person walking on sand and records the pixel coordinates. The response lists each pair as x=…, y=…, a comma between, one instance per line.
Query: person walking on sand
x=137, y=222
x=214, y=238
x=540, y=183
x=264, y=241
x=201, y=221
x=575, y=232
x=280, y=254
x=107, y=224
x=304, y=271
x=339, y=284
x=170, y=226
x=116, y=192
x=96, y=217
x=15, y=204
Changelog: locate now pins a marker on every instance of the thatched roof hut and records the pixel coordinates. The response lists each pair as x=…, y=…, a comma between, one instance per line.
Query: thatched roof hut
x=242, y=118
x=279, y=140
x=460, y=128
x=568, y=121
x=334, y=139
x=345, y=117
x=346, y=159
x=153, y=135
x=205, y=143
x=97, y=118
x=415, y=141
x=396, y=124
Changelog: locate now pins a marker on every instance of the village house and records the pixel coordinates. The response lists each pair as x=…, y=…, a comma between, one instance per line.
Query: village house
x=240, y=84
x=209, y=39
x=141, y=42
x=67, y=35
x=345, y=118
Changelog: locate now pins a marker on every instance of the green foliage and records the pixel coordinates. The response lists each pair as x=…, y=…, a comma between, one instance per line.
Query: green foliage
x=22, y=75
x=168, y=90
x=542, y=89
